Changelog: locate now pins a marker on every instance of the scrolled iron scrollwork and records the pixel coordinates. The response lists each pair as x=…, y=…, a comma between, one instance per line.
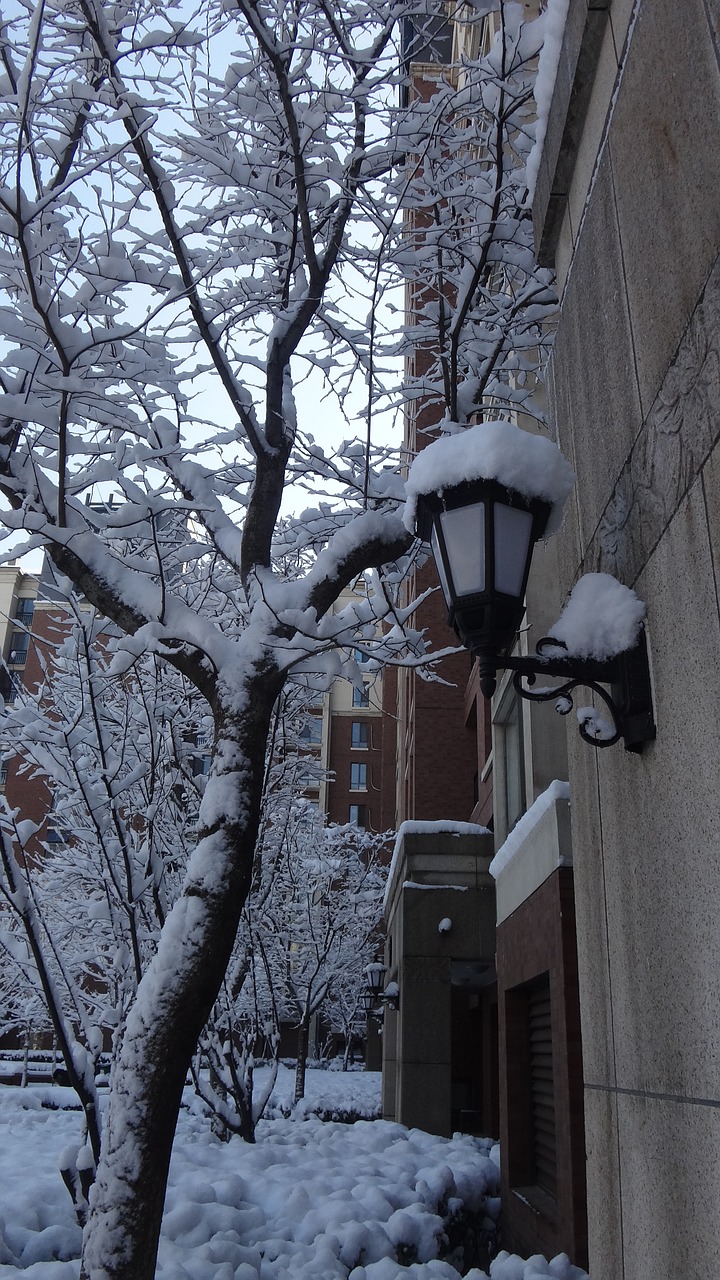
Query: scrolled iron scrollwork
x=628, y=700
x=562, y=694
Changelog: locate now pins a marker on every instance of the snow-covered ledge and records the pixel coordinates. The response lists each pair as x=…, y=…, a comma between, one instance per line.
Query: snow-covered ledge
x=441, y=854
x=566, y=83
x=536, y=847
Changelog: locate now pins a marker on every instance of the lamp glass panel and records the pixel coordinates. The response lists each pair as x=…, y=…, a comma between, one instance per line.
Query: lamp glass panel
x=464, y=534
x=513, y=530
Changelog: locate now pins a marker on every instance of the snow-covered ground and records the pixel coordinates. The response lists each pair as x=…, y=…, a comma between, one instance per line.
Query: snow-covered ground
x=309, y=1201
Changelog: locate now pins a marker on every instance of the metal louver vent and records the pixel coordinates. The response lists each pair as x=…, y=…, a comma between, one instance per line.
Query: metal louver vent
x=542, y=1088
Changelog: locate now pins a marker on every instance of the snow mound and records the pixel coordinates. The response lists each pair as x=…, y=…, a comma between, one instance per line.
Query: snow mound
x=509, y=1267
x=365, y=1201
x=601, y=618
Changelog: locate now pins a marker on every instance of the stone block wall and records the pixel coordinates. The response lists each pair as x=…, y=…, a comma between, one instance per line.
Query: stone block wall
x=437, y=876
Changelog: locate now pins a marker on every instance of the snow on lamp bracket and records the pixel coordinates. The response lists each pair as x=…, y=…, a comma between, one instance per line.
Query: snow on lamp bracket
x=482, y=533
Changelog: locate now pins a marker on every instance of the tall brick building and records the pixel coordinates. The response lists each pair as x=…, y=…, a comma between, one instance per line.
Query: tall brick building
x=357, y=746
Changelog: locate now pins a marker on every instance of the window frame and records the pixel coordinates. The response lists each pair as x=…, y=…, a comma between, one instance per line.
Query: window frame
x=358, y=816
x=358, y=775
x=509, y=729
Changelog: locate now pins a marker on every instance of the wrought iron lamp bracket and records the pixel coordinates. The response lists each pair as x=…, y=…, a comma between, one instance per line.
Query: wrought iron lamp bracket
x=629, y=701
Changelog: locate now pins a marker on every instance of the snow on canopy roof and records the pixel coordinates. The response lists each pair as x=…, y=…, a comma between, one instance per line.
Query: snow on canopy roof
x=531, y=464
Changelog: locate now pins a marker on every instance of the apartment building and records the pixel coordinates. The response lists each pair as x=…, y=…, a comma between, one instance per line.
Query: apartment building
x=357, y=749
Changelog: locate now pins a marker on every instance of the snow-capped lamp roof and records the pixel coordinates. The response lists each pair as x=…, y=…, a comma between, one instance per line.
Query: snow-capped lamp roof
x=531, y=464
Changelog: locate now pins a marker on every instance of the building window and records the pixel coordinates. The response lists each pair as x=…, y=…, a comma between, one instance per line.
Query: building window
x=357, y=815
x=361, y=657
x=509, y=764
x=358, y=777
x=514, y=780
x=311, y=732
x=13, y=685
x=18, y=648
x=360, y=734
x=361, y=695
x=24, y=611
x=311, y=818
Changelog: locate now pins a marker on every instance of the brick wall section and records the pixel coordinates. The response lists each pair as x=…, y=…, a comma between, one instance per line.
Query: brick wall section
x=442, y=758
x=536, y=939
x=27, y=793
x=438, y=749
x=341, y=755
x=389, y=761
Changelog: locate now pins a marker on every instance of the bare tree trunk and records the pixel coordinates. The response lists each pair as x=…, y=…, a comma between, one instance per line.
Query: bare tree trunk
x=174, y=1001
x=302, y=1054
x=26, y=1057
x=217, y=1124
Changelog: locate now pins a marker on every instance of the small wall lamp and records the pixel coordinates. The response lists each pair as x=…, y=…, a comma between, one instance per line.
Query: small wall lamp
x=391, y=995
x=367, y=999
x=482, y=535
x=375, y=974
x=377, y=990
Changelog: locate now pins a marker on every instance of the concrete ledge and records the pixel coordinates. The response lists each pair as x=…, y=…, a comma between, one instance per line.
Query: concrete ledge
x=440, y=855
x=579, y=56
x=546, y=846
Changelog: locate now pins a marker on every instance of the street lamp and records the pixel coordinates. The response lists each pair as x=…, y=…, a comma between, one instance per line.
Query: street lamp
x=376, y=988
x=375, y=974
x=482, y=533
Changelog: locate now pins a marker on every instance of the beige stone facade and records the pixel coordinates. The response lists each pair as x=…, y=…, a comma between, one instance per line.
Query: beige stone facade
x=440, y=951
x=627, y=207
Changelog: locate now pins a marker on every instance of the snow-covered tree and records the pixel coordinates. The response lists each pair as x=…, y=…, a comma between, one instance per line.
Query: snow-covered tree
x=85, y=894
x=343, y=1011
x=309, y=927
x=122, y=762
x=328, y=895
x=199, y=208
